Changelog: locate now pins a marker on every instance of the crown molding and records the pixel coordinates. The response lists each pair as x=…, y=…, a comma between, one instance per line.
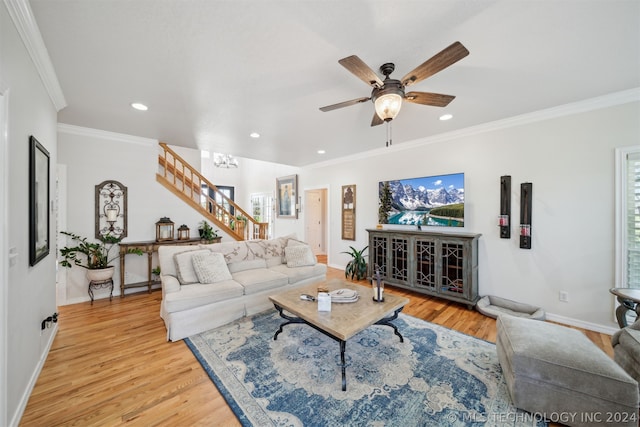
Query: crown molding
x=24, y=21
x=103, y=134
x=605, y=101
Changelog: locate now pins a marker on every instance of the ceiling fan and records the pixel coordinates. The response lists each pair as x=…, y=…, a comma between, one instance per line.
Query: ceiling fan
x=387, y=95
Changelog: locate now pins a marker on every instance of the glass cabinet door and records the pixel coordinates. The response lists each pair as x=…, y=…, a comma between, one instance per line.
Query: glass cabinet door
x=378, y=255
x=426, y=264
x=452, y=258
x=399, y=268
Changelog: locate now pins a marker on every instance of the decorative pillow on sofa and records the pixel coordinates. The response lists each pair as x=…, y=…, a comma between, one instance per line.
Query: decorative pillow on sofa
x=299, y=256
x=210, y=267
x=184, y=266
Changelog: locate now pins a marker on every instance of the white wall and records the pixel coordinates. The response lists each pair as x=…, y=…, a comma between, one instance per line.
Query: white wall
x=30, y=290
x=91, y=157
x=569, y=160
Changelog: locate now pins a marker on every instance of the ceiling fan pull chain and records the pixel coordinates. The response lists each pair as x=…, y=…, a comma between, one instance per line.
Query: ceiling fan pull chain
x=388, y=133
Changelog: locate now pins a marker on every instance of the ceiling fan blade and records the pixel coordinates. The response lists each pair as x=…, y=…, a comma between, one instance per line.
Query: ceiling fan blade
x=448, y=56
x=361, y=70
x=376, y=120
x=344, y=104
x=427, y=98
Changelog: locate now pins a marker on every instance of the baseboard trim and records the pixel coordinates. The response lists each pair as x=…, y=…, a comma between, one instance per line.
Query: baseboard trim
x=582, y=324
x=15, y=420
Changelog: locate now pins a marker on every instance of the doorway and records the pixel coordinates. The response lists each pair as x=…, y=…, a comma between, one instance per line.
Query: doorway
x=316, y=221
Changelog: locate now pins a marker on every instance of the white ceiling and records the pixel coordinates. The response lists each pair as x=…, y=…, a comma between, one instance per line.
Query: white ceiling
x=212, y=72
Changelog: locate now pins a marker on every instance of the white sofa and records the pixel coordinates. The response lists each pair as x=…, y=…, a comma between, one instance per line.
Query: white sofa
x=207, y=286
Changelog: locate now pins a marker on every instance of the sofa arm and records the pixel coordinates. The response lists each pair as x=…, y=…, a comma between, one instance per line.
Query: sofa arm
x=169, y=284
x=635, y=325
x=615, y=339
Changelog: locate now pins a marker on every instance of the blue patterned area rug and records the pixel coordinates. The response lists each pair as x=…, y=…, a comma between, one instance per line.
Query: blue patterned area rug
x=437, y=377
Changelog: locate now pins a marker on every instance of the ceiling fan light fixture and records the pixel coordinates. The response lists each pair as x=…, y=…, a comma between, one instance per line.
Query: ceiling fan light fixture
x=388, y=106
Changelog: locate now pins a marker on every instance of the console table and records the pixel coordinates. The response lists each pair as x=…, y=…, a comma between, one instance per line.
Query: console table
x=149, y=248
x=434, y=263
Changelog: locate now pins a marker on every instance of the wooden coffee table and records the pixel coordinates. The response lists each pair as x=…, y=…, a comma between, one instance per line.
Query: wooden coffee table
x=345, y=319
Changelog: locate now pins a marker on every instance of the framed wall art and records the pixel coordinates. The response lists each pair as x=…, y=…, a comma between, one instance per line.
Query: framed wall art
x=111, y=209
x=38, y=201
x=348, y=212
x=286, y=196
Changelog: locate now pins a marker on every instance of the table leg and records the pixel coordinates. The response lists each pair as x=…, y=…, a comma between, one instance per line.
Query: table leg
x=387, y=322
x=343, y=345
x=288, y=318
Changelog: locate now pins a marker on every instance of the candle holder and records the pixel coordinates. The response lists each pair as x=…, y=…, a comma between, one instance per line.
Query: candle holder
x=526, y=189
x=378, y=288
x=164, y=229
x=183, y=232
x=505, y=207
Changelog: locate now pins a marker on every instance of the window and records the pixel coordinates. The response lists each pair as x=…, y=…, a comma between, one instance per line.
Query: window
x=262, y=210
x=628, y=217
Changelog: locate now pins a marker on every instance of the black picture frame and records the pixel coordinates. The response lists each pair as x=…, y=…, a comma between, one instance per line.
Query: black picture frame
x=38, y=201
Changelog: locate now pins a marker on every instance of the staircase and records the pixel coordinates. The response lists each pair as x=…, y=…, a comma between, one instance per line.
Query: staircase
x=187, y=183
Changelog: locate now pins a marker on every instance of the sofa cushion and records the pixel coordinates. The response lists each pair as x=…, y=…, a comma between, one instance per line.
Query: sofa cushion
x=210, y=268
x=297, y=274
x=260, y=279
x=273, y=261
x=299, y=256
x=197, y=295
x=235, y=267
x=184, y=266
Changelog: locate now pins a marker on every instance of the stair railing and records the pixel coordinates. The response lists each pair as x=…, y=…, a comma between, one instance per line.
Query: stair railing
x=183, y=180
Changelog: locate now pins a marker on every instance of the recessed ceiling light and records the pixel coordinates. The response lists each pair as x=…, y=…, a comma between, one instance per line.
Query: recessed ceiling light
x=254, y=135
x=446, y=117
x=139, y=106
x=321, y=151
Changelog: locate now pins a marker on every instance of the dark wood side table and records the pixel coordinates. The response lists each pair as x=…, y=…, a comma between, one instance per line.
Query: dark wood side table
x=629, y=299
x=149, y=248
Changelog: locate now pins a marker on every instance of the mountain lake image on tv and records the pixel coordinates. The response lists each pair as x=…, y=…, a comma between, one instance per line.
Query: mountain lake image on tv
x=433, y=200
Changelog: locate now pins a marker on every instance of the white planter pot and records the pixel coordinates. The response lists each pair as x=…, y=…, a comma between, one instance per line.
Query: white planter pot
x=100, y=275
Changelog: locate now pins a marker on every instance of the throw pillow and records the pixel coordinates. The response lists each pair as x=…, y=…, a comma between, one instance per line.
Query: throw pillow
x=184, y=266
x=299, y=256
x=211, y=268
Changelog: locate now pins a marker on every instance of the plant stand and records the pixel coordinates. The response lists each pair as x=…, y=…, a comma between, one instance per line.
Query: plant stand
x=100, y=284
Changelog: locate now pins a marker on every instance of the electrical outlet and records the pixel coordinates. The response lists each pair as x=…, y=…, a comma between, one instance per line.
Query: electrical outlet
x=563, y=296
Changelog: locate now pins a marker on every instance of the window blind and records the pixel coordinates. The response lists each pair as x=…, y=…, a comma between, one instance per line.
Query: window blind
x=633, y=219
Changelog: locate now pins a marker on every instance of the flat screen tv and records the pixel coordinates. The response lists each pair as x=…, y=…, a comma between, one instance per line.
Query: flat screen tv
x=431, y=201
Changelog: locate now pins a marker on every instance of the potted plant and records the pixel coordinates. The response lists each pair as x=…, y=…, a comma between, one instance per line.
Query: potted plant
x=207, y=232
x=357, y=267
x=97, y=255
x=156, y=273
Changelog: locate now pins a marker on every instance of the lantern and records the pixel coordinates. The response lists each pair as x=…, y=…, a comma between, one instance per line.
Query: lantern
x=183, y=232
x=164, y=229
x=378, y=287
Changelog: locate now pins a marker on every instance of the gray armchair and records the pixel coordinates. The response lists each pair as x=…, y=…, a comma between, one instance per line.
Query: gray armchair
x=626, y=349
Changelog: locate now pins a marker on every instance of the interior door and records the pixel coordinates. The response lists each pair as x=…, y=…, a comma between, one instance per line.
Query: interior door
x=316, y=219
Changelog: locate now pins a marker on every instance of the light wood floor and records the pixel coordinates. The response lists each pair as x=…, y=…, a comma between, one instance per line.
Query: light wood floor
x=110, y=364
